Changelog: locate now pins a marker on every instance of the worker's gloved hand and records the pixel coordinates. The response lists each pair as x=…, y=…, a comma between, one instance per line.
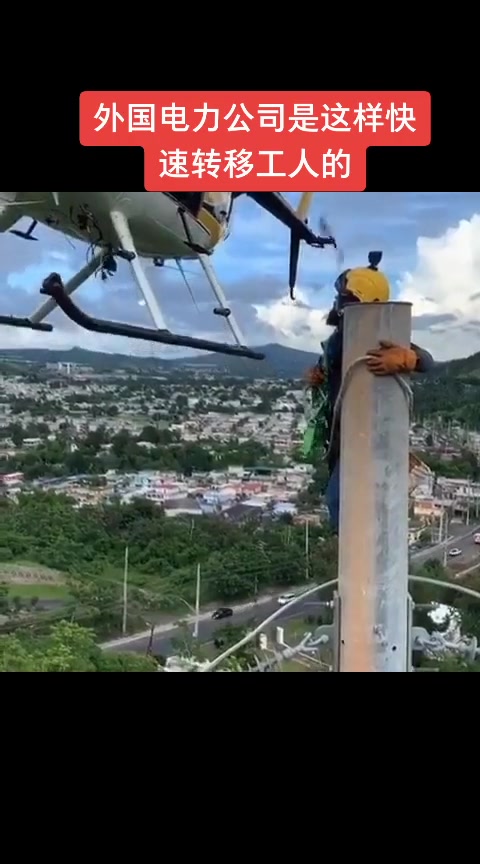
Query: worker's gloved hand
x=391, y=359
x=315, y=376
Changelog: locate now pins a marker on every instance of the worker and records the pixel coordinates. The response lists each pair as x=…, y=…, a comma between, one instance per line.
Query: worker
x=359, y=285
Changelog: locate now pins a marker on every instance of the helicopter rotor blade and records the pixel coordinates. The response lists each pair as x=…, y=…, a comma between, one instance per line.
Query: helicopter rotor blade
x=327, y=231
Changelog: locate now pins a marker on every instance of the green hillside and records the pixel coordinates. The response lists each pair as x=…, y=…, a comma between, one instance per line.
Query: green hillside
x=280, y=361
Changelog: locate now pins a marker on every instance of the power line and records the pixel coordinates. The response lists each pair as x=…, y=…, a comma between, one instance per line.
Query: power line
x=210, y=667
x=252, y=633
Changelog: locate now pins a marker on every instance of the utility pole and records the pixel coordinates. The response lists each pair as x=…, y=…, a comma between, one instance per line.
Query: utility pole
x=444, y=536
x=125, y=593
x=197, y=602
x=150, y=641
x=307, y=550
x=373, y=537
x=440, y=525
x=468, y=505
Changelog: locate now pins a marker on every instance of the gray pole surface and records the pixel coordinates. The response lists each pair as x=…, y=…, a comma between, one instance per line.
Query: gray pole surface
x=373, y=547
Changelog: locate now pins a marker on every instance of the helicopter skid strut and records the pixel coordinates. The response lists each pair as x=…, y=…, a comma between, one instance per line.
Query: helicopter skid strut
x=60, y=295
x=125, y=239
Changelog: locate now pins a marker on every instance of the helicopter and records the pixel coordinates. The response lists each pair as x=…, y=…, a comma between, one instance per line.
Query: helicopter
x=155, y=226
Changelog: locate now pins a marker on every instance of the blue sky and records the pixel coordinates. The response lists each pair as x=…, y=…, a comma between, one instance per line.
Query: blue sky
x=431, y=246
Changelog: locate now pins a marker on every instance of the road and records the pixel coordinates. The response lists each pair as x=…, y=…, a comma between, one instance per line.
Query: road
x=460, y=538
x=162, y=642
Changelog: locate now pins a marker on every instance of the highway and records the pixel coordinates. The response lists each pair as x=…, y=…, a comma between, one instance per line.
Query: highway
x=460, y=538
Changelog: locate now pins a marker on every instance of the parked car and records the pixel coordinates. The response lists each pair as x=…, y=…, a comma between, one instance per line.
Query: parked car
x=223, y=612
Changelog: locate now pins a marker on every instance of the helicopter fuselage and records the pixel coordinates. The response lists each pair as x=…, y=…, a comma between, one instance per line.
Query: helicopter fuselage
x=134, y=225
x=155, y=218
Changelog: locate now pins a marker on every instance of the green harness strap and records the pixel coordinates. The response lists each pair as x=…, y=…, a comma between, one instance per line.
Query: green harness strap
x=316, y=436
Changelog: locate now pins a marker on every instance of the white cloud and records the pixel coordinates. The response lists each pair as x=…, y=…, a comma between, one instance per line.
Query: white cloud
x=445, y=282
x=297, y=324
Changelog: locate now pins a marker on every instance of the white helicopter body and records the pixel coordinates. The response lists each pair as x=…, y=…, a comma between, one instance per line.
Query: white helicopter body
x=159, y=226
x=157, y=229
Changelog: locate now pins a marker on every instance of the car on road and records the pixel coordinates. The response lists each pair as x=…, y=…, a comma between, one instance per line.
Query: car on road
x=223, y=612
x=454, y=553
x=285, y=598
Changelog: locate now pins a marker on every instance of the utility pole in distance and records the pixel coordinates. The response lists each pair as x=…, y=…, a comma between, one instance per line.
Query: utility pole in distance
x=197, y=602
x=373, y=537
x=125, y=593
x=307, y=550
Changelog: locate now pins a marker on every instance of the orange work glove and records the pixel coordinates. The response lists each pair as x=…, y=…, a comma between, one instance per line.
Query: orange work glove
x=315, y=376
x=391, y=359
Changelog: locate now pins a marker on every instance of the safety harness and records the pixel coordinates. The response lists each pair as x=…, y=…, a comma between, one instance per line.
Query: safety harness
x=316, y=438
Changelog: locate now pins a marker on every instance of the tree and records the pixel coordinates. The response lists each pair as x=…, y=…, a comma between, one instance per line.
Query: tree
x=126, y=663
x=68, y=648
x=455, y=664
x=87, y=545
x=228, y=636
x=17, y=435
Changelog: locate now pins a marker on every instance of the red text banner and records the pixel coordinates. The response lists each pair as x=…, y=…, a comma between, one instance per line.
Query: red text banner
x=255, y=140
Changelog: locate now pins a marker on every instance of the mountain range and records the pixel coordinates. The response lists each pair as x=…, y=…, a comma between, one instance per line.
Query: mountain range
x=280, y=362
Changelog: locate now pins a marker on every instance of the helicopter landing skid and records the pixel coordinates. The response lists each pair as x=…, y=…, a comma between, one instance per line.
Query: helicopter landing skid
x=25, y=323
x=160, y=333
x=53, y=287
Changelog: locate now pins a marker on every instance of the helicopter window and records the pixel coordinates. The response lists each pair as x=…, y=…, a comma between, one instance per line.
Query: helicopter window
x=220, y=217
x=219, y=204
x=191, y=200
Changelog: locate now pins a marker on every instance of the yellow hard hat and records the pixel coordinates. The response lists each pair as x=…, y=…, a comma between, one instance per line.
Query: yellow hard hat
x=367, y=284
